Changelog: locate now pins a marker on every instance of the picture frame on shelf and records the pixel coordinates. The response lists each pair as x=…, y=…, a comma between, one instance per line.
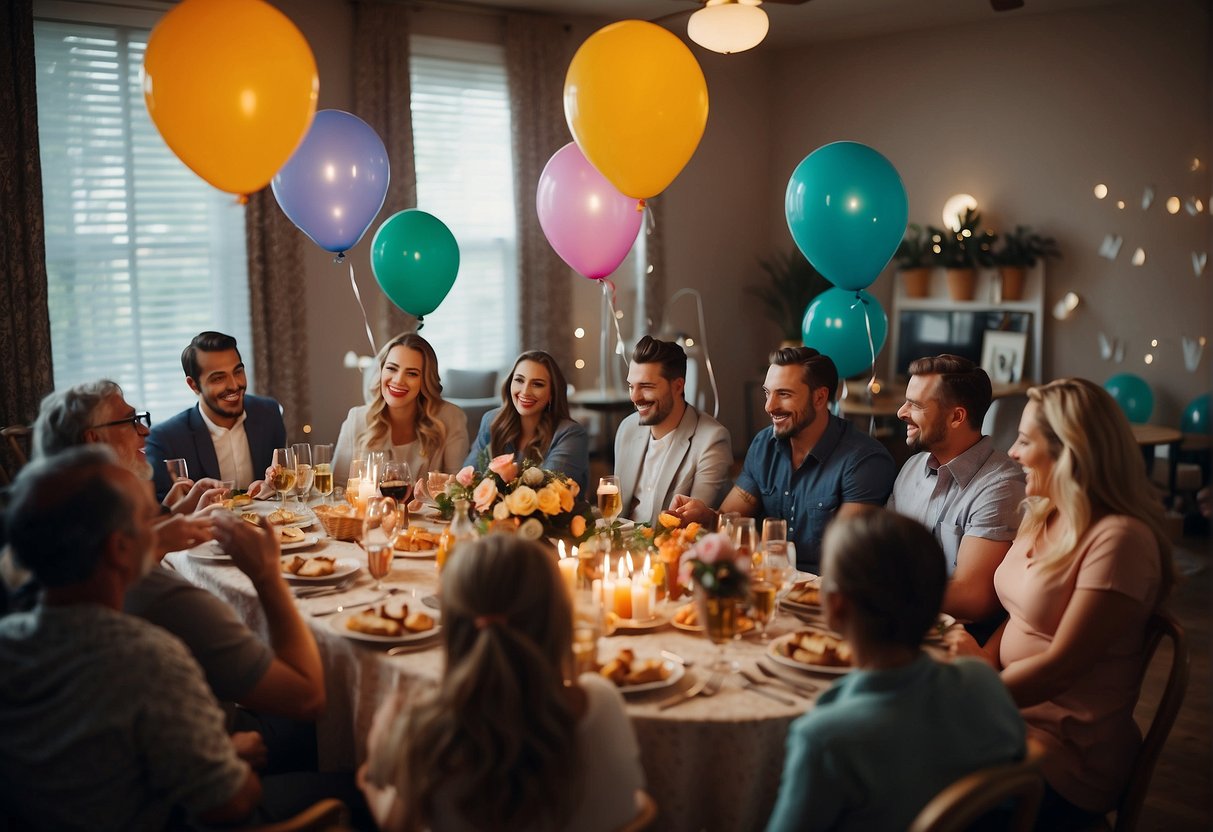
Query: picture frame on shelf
x=1002, y=355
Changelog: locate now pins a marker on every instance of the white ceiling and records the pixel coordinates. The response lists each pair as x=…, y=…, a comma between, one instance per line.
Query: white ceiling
x=816, y=19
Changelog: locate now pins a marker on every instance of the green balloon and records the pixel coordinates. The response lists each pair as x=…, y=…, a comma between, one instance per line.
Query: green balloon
x=415, y=260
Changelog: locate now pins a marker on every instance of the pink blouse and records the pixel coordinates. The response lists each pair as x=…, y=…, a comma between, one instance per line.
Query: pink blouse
x=1088, y=729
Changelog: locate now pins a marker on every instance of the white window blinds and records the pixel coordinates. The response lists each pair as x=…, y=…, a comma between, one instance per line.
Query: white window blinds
x=141, y=254
x=461, y=137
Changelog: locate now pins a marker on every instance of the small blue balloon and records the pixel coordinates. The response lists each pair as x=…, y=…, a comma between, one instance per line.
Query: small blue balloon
x=1196, y=416
x=847, y=210
x=836, y=324
x=335, y=183
x=1133, y=395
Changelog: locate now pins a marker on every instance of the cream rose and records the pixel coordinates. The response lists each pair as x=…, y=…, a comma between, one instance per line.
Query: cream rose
x=485, y=494
x=501, y=511
x=532, y=477
x=549, y=501
x=523, y=501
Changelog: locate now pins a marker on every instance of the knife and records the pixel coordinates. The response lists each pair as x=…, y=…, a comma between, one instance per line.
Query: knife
x=753, y=688
x=801, y=688
x=344, y=607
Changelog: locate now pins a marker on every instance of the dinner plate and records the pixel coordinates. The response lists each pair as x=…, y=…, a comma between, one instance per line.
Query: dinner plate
x=631, y=624
x=698, y=628
x=420, y=553
x=800, y=606
x=677, y=671
x=341, y=568
x=304, y=519
x=338, y=624
x=308, y=540
x=776, y=656
x=209, y=551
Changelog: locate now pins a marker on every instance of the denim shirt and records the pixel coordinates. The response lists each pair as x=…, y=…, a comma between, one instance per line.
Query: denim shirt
x=569, y=453
x=845, y=466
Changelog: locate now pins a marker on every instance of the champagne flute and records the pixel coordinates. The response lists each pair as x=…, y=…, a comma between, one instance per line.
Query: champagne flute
x=610, y=503
x=395, y=478
x=177, y=469
x=285, y=476
x=322, y=465
x=745, y=537
x=774, y=529
x=770, y=583
x=378, y=532
x=725, y=521
x=304, y=473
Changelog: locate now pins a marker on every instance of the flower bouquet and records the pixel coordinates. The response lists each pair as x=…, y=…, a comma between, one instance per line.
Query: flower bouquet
x=528, y=499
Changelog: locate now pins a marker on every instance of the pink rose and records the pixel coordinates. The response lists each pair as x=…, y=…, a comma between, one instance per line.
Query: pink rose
x=504, y=467
x=485, y=494
x=714, y=548
x=464, y=477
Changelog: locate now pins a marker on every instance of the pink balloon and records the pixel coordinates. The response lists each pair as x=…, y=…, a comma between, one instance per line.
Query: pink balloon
x=588, y=222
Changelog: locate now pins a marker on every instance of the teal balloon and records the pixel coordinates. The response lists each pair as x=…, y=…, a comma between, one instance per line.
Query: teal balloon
x=836, y=324
x=415, y=260
x=1133, y=395
x=847, y=210
x=1196, y=416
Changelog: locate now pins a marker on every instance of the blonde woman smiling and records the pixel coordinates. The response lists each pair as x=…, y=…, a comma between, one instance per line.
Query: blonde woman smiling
x=406, y=415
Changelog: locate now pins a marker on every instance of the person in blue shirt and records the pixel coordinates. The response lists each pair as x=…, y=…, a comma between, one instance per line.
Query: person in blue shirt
x=901, y=727
x=533, y=421
x=809, y=465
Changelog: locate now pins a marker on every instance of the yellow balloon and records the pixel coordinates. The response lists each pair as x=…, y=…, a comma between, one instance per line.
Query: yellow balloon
x=231, y=85
x=636, y=102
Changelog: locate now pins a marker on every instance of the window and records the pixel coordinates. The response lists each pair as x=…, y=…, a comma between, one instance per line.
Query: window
x=461, y=136
x=141, y=254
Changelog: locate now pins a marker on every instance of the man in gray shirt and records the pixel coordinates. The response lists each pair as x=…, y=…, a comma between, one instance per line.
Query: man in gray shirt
x=958, y=485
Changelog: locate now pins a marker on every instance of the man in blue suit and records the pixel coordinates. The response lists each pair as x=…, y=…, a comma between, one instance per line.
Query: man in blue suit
x=229, y=434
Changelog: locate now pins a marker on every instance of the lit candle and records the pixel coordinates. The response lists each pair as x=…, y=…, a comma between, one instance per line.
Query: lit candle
x=568, y=571
x=642, y=588
x=623, y=594
x=560, y=549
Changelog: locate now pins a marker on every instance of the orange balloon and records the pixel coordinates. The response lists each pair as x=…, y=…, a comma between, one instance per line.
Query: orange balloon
x=231, y=85
x=637, y=104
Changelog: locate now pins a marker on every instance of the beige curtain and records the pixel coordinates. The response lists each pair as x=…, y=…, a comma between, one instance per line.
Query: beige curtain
x=278, y=310
x=538, y=49
x=382, y=99
x=25, y=329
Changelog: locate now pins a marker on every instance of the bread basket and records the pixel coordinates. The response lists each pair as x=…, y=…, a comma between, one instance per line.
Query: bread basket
x=339, y=526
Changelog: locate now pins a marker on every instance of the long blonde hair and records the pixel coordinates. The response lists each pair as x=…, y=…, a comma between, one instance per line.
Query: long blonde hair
x=431, y=432
x=506, y=428
x=1097, y=470
x=499, y=738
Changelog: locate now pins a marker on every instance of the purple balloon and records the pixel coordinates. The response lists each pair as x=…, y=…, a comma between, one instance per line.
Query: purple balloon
x=590, y=224
x=335, y=183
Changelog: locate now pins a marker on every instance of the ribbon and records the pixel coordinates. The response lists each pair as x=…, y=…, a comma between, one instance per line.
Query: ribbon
x=867, y=321
x=358, y=297
x=608, y=291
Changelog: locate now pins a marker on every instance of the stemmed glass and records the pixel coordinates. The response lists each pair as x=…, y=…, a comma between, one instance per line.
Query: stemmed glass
x=177, y=469
x=725, y=521
x=378, y=531
x=774, y=529
x=322, y=466
x=304, y=473
x=353, y=484
x=395, y=478
x=285, y=474
x=745, y=536
x=769, y=582
x=610, y=503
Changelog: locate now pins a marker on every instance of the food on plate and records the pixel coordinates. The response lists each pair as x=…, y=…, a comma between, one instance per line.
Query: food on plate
x=320, y=566
x=418, y=622
x=279, y=516
x=414, y=539
x=292, y=564
x=385, y=621
x=237, y=499
x=625, y=671
x=811, y=647
x=688, y=616
x=290, y=534
x=805, y=592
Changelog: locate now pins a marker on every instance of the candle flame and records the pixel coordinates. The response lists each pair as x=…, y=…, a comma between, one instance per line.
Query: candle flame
x=648, y=566
x=631, y=568
x=560, y=548
x=620, y=571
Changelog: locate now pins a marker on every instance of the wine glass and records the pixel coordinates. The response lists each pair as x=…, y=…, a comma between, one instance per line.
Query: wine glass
x=769, y=583
x=395, y=478
x=610, y=503
x=774, y=529
x=284, y=476
x=745, y=536
x=719, y=615
x=322, y=467
x=304, y=473
x=725, y=521
x=177, y=469
x=378, y=532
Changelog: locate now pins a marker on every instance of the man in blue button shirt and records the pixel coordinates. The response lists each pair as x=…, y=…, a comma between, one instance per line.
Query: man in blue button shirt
x=808, y=465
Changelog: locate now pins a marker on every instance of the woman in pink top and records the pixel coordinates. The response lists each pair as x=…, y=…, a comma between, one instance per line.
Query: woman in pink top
x=1089, y=565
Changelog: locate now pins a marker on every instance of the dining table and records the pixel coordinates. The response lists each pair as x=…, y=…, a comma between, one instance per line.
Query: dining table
x=711, y=762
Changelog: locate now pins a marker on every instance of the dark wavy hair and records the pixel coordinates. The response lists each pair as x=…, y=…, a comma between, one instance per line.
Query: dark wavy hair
x=961, y=384
x=819, y=370
x=506, y=428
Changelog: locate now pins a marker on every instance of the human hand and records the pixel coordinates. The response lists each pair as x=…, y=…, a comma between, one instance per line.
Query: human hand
x=962, y=645
x=250, y=747
x=261, y=489
x=253, y=548
x=178, y=532
x=690, y=510
x=177, y=493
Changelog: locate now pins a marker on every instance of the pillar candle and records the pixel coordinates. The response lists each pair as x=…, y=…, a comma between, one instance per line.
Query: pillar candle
x=623, y=598
x=642, y=608
x=568, y=571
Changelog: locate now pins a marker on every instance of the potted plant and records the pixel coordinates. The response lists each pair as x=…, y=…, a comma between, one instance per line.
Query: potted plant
x=960, y=252
x=913, y=258
x=791, y=285
x=1019, y=251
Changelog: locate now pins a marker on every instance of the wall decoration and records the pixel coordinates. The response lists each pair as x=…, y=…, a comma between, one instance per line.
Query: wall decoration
x=1194, y=349
x=1199, y=261
x=1002, y=355
x=1111, y=246
x=1147, y=197
x=1111, y=349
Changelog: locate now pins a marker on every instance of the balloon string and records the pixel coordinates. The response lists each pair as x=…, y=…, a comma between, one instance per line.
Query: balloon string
x=867, y=321
x=608, y=290
x=365, y=322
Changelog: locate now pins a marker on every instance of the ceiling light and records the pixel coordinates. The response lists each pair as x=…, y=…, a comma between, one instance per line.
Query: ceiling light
x=955, y=208
x=728, y=26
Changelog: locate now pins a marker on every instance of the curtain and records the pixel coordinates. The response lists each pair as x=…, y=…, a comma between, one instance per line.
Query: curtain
x=382, y=99
x=538, y=49
x=25, y=328
x=278, y=310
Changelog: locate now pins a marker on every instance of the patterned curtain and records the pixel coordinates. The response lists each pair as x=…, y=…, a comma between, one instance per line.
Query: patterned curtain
x=538, y=49
x=381, y=99
x=26, y=373
x=278, y=310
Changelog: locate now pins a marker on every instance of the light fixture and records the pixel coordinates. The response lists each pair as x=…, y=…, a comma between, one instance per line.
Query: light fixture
x=954, y=209
x=728, y=26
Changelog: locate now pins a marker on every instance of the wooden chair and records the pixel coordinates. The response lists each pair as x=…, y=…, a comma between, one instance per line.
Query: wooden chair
x=970, y=798
x=322, y=816
x=645, y=815
x=18, y=438
x=1161, y=625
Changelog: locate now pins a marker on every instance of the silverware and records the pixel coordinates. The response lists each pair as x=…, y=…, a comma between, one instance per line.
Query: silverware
x=690, y=693
x=801, y=688
x=715, y=681
x=344, y=607
x=319, y=591
x=755, y=686
x=674, y=657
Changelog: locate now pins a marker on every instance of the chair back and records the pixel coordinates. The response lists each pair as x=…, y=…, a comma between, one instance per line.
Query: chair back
x=1001, y=423
x=645, y=815
x=17, y=441
x=1160, y=626
x=975, y=795
x=328, y=815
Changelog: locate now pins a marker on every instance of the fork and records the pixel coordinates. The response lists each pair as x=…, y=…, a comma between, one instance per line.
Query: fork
x=316, y=592
x=757, y=686
x=799, y=688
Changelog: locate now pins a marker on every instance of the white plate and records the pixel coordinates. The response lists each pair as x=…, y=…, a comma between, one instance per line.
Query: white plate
x=209, y=551
x=800, y=606
x=677, y=671
x=261, y=509
x=776, y=656
x=341, y=568
x=632, y=625
x=308, y=540
x=699, y=628
x=338, y=623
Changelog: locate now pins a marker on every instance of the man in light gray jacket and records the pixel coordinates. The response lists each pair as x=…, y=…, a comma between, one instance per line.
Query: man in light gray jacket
x=667, y=447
